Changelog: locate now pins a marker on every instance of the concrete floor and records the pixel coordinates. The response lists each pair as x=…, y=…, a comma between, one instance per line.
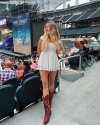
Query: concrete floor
x=77, y=103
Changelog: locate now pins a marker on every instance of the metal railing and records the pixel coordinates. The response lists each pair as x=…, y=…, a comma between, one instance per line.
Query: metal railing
x=59, y=72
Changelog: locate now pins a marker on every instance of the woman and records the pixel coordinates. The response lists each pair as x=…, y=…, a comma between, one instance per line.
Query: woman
x=26, y=69
x=20, y=69
x=50, y=45
x=77, y=47
x=86, y=43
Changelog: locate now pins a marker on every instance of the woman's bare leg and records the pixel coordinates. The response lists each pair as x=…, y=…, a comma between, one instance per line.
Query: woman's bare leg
x=44, y=78
x=52, y=75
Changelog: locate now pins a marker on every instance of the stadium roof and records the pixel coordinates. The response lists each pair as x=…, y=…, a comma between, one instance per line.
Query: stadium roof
x=43, y=4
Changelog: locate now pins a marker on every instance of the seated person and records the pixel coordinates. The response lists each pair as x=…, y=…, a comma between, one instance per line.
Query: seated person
x=20, y=69
x=85, y=43
x=26, y=69
x=15, y=68
x=82, y=42
x=7, y=72
x=0, y=63
x=76, y=49
x=94, y=46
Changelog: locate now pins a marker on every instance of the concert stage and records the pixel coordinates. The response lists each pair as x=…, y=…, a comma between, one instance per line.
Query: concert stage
x=17, y=55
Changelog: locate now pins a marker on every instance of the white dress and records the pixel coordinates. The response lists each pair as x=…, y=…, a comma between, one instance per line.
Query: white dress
x=48, y=60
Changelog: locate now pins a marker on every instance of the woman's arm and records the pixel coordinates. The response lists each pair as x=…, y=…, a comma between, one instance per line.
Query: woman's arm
x=20, y=75
x=57, y=51
x=32, y=60
x=79, y=38
x=32, y=67
x=39, y=47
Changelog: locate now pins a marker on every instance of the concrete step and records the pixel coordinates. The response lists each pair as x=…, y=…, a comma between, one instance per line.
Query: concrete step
x=70, y=74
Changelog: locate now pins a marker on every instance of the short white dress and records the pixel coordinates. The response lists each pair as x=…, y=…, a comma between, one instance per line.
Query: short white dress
x=48, y=60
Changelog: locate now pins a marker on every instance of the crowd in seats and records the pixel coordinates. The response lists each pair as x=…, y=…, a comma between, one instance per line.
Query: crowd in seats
x=92, y=48
x=14, y=74
x=17, y=67
x=11, y=67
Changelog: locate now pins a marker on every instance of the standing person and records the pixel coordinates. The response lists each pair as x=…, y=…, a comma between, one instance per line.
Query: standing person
x=50, y=45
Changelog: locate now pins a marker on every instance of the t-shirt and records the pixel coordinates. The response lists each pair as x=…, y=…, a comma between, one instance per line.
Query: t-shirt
x=34, y=65
x=95, y=45
x=75, y=50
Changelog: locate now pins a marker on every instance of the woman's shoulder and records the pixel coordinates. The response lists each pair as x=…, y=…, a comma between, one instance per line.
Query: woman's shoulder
x=42, y=37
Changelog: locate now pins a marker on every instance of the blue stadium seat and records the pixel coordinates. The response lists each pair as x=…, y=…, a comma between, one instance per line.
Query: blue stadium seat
x=36, y=72
x=28, y=92
x=11, y=81
x=6, y=101
x=27, y=76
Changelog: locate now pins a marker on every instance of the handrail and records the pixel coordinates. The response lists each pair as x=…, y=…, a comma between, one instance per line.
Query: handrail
x=59, y=73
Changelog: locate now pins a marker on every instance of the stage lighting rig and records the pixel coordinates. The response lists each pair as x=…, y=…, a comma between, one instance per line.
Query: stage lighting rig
x=20, y=9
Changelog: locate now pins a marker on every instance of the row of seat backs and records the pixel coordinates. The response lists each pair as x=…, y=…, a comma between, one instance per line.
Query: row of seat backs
x=29, y=93
x=7, y=92
x=6, y=101
x=13, y=81
x=36, y=73
x=30, y=90
x=29, y=81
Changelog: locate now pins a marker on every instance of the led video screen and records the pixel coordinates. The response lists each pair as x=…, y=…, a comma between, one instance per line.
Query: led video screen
x=21, y=34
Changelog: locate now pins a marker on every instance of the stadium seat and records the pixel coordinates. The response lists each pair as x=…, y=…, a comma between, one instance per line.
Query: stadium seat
x=6, y=101
x=11, y=81
x=36, y=72
x=28, y=92
x=27, y=76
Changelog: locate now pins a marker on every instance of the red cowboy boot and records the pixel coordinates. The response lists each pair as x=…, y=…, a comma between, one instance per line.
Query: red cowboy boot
x=47, y=109
x=51, y=97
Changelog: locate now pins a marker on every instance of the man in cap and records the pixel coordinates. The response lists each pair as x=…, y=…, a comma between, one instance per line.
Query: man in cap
x=94, y=44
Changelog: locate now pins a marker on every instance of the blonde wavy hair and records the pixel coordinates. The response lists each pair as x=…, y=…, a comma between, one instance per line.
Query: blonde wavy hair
x=54, y=35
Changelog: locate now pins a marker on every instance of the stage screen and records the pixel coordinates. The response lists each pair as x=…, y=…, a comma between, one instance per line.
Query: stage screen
x=21, y=34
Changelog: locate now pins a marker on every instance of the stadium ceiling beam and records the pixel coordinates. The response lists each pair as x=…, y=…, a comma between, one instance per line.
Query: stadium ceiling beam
x=43, y=4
